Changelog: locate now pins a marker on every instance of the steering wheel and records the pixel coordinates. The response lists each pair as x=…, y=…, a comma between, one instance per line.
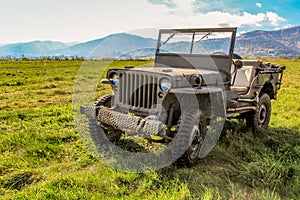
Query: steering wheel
x=236, y=56
x=219, y=53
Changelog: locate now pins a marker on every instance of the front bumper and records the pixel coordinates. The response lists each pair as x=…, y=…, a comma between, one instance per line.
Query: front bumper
x=132, y=125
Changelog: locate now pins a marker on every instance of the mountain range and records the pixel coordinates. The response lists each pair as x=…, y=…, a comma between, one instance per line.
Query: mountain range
x=252, y=44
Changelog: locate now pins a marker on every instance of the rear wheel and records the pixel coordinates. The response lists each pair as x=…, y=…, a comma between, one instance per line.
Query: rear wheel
x=261, y=117
x=190, y=134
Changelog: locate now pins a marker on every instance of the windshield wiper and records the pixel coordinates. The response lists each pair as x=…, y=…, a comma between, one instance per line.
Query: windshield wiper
x=169, y=38
x=206, y=35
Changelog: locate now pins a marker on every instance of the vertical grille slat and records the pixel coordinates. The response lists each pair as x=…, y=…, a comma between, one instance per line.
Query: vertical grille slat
x=132, y=96
x=155, y=92
x=151, y=89
x=148, y=93
x=128, y=90
x=124, y=88
x=121, y=89
x=144, y=91
x=138, y=90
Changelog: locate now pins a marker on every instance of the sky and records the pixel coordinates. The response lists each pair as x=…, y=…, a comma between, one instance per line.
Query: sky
x=84, y=20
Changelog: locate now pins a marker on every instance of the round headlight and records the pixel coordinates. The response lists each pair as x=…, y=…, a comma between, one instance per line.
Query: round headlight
x=115, y=79
x=165, y=84
x=196, y=80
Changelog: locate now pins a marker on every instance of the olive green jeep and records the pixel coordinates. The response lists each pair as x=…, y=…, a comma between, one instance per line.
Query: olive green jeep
x=196, y=80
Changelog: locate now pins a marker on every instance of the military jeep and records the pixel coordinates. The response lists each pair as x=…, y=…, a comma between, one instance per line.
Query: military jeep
x=196, y=79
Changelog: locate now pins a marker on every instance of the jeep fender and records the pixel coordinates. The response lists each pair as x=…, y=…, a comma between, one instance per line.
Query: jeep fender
x=211, y=100
x=263, y=83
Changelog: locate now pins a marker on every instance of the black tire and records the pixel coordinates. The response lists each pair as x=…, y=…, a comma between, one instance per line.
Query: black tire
x=261, y=117
x=112, y=134
x=105, y=100
x=190, y=134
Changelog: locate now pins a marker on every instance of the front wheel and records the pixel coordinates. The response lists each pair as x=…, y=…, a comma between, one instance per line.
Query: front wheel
x=261, y=117
x=190, y=134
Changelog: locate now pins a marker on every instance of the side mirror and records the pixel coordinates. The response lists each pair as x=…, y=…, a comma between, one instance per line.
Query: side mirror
x=238, y=64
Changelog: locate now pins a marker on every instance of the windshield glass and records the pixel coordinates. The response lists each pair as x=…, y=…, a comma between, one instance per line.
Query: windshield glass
x=200, y=42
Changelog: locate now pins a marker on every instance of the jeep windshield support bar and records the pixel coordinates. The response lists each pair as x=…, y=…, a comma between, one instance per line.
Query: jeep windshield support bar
x=233, y=36
x=192, y=44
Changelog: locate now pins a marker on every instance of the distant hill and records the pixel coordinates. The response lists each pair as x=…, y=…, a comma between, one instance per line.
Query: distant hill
x=32, y=49
x=110, y=46
x=256, y=43
x=270, y=43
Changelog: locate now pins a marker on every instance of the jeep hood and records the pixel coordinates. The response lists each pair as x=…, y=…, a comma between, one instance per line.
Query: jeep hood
x=210, y=77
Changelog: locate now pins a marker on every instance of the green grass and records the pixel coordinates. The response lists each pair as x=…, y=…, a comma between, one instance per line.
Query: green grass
x=43, y=157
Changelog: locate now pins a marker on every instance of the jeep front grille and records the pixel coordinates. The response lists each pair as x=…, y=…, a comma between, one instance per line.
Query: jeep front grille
x=138, y=90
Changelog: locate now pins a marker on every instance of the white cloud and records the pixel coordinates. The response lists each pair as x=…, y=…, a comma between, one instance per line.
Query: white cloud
x=274, y=18
x=183, y=3
x=204, y=20
x=219, y=19
x=183, y=7
x=21, y=21
x=288, y=26
x=259, y=5
x=183, y=15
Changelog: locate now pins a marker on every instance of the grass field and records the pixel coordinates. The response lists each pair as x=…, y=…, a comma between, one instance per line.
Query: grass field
x=42, y=156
